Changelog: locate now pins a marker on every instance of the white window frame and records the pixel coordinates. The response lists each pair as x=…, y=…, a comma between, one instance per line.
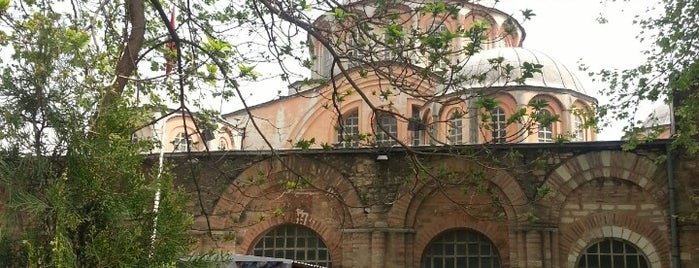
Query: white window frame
x=385, y=126
x=178, y=142
x=498, y=127
x=348, y=130
x=579, y=129
x=456, y=129
x=545, y=132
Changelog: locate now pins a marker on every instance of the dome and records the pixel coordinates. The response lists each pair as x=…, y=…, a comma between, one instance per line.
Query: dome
x=553, y=73
x=660, y=116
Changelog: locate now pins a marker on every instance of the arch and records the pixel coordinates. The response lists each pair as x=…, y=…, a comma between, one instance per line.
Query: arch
x=585, y=112
x=325, y=182
x=174, y=126
x=493, y=232
x=509, y=105
x=322, y=115
x=583, y=168
x=412, y=195
x=445, y=117
x=612, y=252
x=292, y=241
x=577, y=237
x=425, y=22
x=555, y=107
x=491, y=33
x=511, y=39
x=461, y=247
x=227, y=135
x=320, y=111
x=331, y=238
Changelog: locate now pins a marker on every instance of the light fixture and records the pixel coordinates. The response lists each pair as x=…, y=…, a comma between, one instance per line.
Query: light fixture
x=382, y=157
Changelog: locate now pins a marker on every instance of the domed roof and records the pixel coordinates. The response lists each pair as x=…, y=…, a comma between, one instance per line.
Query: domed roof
x=553, y=73
x=659, y=117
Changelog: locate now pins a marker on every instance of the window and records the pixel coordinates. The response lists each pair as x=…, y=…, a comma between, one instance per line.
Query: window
x=326, y=62
x=545, y=130
x=434, y=32
x=348, y=130
x=294, y=242
x=222, y=144
x=385, y=127
x=579, y=128
x=499, y=125
x=461, y=248
x=392, y=46
x=456, y=128
x=416, y=125
x=356, y=47
x=612, y=253
x=181, y=142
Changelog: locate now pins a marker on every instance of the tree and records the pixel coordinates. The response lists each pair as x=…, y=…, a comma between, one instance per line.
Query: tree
x=78, y=86
x=670, y=74
x=76, y=191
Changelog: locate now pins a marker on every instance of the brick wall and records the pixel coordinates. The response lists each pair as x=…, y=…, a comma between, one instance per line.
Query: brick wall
x=385, y=214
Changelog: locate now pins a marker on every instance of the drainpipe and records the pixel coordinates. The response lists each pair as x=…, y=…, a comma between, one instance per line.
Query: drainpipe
x=674, y=235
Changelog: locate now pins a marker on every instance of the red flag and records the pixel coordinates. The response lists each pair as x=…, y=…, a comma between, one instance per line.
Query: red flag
x=170, y=47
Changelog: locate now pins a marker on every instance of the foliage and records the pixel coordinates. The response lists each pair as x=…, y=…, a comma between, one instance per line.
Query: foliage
x=73, y=184
x=670, y=74
x=85, y=75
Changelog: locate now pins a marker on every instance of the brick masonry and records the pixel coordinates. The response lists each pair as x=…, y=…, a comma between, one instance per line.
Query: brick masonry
x=385, y=214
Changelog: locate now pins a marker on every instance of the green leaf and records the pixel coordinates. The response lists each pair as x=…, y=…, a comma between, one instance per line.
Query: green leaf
x=248, y=71
x=527, y=14
x=4, y=5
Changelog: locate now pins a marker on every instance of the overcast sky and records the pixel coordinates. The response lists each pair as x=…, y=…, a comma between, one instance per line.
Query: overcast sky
x=568, y=30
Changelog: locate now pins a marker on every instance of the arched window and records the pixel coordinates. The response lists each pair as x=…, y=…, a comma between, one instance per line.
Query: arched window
x=294, y=242
x=222, y=144
x=612, y=253
x=461, y=248
x=416, y=125
x=386, y=126
x=456, y=131
x=498, y=125
x=348, y=130
x=357, y=47
x=439, y=57
x=181, y=141
x=579, y=128
x=545, y=130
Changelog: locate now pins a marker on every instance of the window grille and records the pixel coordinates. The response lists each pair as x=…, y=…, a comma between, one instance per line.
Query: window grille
x=348, y=130
x=545, y=130
x=612, y=253
x=499, y=125
x=579, y=129
x=294, y=242
x=455, y=129
x=461, y=249
x=417, y=130
x=181, y=141
x=386, y=126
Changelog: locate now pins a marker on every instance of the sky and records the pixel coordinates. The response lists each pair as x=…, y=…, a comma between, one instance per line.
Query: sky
x=569, y=31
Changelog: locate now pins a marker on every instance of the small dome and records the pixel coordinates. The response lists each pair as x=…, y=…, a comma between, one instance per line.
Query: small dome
x=553, y=73
x=659, y=117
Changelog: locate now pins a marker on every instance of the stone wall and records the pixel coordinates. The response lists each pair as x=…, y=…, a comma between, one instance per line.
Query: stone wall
x=538, y=205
